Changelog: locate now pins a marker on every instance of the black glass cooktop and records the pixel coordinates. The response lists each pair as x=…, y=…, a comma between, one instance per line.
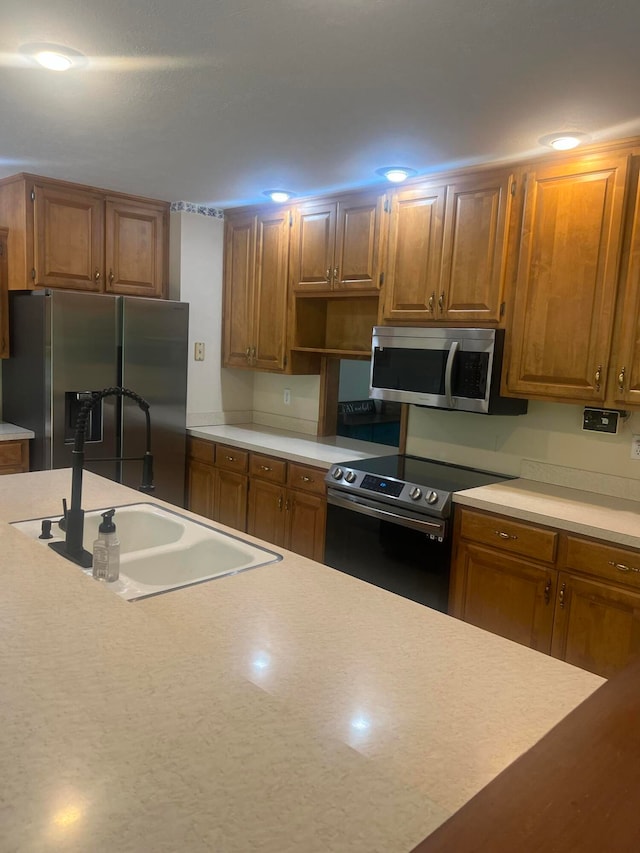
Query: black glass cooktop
x=426, y=472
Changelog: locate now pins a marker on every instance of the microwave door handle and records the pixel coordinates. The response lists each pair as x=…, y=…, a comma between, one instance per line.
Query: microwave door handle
x=448, y=371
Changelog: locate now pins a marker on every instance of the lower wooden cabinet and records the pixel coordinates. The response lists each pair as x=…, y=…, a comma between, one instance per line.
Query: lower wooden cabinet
x=278, y=501
x=579, y=601
x=14, y=456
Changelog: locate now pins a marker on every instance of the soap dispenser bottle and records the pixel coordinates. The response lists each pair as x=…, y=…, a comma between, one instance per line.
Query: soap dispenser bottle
x=106, y=550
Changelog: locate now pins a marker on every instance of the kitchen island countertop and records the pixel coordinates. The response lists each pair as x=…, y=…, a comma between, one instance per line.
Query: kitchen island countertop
x=287, y=708
x=11, y=432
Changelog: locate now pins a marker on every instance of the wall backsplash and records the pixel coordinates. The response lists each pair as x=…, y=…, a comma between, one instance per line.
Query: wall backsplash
x=546, y=444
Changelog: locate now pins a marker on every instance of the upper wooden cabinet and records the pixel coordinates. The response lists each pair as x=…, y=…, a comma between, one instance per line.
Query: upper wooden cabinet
x=447, y=251
x=4, y=307
x=337, y=245
x=81, y=238
x=255, y=301
x=567, y=279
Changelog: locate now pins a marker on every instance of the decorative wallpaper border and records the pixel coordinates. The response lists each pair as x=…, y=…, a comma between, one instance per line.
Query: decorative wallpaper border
x=202, y=209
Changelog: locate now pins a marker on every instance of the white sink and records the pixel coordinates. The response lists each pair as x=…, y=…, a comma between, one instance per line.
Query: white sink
x=162, y=550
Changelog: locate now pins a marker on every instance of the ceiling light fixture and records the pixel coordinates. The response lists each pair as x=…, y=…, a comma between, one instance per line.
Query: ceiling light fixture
x=396, y=174
x=279, y=196
x=53, y=57
x=564, y=141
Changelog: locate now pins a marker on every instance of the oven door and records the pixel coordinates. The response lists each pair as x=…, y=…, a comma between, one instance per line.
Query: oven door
x=393, y=549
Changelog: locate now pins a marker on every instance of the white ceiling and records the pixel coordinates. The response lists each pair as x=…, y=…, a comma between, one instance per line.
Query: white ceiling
x=213, y=101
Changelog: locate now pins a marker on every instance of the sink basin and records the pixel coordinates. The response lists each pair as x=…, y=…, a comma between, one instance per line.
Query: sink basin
x=162, y=550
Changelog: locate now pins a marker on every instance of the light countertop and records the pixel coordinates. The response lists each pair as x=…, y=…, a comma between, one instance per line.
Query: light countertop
x=288, y=708
x=590, y=514
x=11, y=432
x=323, y=451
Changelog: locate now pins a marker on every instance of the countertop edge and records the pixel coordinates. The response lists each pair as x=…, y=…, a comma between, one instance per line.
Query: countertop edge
x=11, y=432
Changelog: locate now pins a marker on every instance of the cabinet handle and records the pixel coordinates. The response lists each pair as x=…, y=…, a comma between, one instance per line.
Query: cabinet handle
x=286, y=505
x=306, y=479
x=547, y=591
x=621, y=379
x=265, y=468
x=111, y=276
x=504, y=535
x=328, y=275
x=97, y=274
x=441, y=301
x=280, y=504
x=622, y=568
x=230, y=458
x=248, y=354
x=253, y=355
x=598, y=376
x=561, y=596
x=336, y=275
x=431, y=301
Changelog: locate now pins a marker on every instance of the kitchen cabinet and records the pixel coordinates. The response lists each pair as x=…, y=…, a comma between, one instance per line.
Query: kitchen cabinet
x=217, y=482
x=287, y=505
x=566, y=280
x=337, y=245
x=4, y=298
x=448, y=250
x=574, y=597
x=255, y=300
x=83, y=238
x=14, y=456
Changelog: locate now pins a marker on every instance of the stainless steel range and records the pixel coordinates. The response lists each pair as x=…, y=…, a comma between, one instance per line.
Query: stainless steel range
x=389, y=522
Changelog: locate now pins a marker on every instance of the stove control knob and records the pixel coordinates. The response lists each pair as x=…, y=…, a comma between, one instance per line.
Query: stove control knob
x=415, y=494
x=432, y=498
x=350, y=477
x=337, y=473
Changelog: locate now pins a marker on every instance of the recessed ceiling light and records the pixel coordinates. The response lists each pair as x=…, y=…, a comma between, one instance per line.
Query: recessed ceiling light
x=396, y=174
x=54, y=57
x=278, y=196
x=564, y=141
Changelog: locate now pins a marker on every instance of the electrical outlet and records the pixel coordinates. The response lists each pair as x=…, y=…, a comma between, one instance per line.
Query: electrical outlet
x=635, y=447
x=198, y=351
x=287, y=397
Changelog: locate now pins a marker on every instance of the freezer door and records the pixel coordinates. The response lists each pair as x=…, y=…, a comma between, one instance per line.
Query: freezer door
x=82, y=339
x=154, y=365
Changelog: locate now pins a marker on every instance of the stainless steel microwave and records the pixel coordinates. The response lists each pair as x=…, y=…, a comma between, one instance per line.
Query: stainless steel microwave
x=441, y=368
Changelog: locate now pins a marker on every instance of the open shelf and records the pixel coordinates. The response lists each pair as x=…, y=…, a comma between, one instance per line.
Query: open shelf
x=335, y=327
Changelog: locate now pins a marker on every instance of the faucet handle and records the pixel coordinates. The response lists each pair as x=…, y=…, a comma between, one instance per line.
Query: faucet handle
x=62, y=523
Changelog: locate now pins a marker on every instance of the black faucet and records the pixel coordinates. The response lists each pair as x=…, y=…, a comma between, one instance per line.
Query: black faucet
x=71, y=547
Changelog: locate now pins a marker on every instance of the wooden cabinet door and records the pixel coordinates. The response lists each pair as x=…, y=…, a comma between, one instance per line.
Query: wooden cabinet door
x=357, y=259
x=230, y=499
x=415, y=253
x=597, y=625
x=134, y=249
x=4, y=296
x=505, y=595
x=68, y=238
x=566, y=280
x=200, y=488
x=312, y=247
x=625, y=374
x=474, y=254
x=239, y=268
x=270, y=291
x=306, y=519
x=266, y=515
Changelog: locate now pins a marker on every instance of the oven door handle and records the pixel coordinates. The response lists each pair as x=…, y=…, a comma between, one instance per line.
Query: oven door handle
x=436, y=528
x=448, y=371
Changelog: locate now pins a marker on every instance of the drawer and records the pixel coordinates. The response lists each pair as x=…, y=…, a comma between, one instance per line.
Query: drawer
x=202, y=450
x=306, y=478
x=268, y=468
x=232, y=458
x=607, y=562
x=14, y=456
x=508, y=536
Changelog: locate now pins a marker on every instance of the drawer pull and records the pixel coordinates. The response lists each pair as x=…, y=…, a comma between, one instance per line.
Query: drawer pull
x=266, y=468
x=306, y=479
x=561, y=596
x=547, y=591
x=622, y=568
x=504, y=535
x=230, y=458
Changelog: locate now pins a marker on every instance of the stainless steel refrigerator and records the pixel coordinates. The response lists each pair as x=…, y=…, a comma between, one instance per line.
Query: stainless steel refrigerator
x=65, y=345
